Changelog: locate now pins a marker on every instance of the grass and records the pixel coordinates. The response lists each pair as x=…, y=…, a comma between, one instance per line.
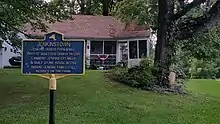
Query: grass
x=206, y=87
x=92, y=100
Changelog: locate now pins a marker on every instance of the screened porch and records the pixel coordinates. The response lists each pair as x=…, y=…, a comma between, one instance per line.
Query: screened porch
x=103, y=53
x=109, y=53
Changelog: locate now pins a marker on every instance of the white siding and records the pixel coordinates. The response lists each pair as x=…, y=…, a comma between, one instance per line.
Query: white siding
x=1, y=58
x=8, y=52
x=118, y=52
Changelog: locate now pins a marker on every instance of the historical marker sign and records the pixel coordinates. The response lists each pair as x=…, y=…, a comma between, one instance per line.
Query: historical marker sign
x=53, y=55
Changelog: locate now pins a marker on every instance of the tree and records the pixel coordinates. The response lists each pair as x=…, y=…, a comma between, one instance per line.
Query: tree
x=95, y=7
x=16, y=13
x=89, y=7
x=105, y=7
x=177, y=21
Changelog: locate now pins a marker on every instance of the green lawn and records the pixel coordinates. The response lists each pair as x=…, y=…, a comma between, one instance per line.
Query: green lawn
x=206, y=87
x=92, y=100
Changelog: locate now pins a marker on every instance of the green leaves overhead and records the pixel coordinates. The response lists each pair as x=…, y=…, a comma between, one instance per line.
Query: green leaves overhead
x=145, y=11
x=205, y=45
x=16, y=13
x=35, y=12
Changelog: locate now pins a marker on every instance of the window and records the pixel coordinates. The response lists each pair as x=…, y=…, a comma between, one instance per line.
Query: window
x=142, y=48
x=11, y=50
x=5, y=48
x=96, y=47
x=133, y=49
x=110, y=47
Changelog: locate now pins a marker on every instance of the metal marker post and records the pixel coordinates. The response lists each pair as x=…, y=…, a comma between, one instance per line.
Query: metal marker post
x=52, y=87
x=75, y=46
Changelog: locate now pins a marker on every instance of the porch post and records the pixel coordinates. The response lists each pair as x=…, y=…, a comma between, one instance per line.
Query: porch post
x=128, y=50
x=128, y=61
x=138, y=50
x=118, y=56
x=148, y=47
x=103, y=50
x=88, y=50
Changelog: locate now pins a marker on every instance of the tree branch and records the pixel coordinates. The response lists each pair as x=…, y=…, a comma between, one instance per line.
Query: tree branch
x=16, y=29
x=186, y=9
x=192, y=26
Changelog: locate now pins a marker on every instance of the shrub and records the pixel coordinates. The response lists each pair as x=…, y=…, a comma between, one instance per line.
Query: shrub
x=207, y=73
x=142, y=77
x=118, y=74
x=204, y=69
x=139, y=76
x=93, y=67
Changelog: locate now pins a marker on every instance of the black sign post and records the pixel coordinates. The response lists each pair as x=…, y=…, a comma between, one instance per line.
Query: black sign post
x=52, y=88
x=52, y=107
x=53, y=58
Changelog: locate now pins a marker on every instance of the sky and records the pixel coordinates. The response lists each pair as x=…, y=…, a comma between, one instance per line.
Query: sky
x=47, y=0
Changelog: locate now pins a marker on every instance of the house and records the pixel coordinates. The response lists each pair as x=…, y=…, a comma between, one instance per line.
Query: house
x=6, y=52
x=108, y=41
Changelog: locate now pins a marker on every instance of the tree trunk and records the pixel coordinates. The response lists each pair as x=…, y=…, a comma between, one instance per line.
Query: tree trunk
x=166, y=34
x=163, y=53
x=105, y=7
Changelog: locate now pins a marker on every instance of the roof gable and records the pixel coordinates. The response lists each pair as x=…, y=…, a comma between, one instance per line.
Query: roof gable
x=88, y=26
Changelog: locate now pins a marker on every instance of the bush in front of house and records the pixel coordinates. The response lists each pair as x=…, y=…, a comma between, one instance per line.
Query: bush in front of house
x=93, y=67
x=139, y=76
x=142, y=77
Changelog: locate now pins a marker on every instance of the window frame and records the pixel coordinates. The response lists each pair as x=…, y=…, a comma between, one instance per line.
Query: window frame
x=145, y=46
x=115, y=47
x=136, y=49
x=91, y=47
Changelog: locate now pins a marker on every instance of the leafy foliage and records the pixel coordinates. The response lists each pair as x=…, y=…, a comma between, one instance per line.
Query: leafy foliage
x=205, y=45
x=145, y=11
x=176, y=21
x=204, y=69
x=89, y=7
x=142, y=77
x=199, y=57
x=15, y=13
x=139, y=76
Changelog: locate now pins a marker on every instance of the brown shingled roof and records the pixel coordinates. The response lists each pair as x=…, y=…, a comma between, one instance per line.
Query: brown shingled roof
x=87, y=26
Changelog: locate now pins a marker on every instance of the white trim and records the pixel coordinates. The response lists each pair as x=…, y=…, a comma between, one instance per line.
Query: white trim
x=103, y=54
x=103, y=39
x=128, y=50
x=138, y=50
x=103, y=47
x=134, y=39
x=118, y=56
x=88, y=51
x=148, y=48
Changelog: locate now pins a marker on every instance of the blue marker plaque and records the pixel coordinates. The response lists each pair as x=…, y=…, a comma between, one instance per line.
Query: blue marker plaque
x=53, y=55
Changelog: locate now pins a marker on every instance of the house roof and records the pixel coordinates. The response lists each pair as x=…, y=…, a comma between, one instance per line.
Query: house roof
x=89, y=27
